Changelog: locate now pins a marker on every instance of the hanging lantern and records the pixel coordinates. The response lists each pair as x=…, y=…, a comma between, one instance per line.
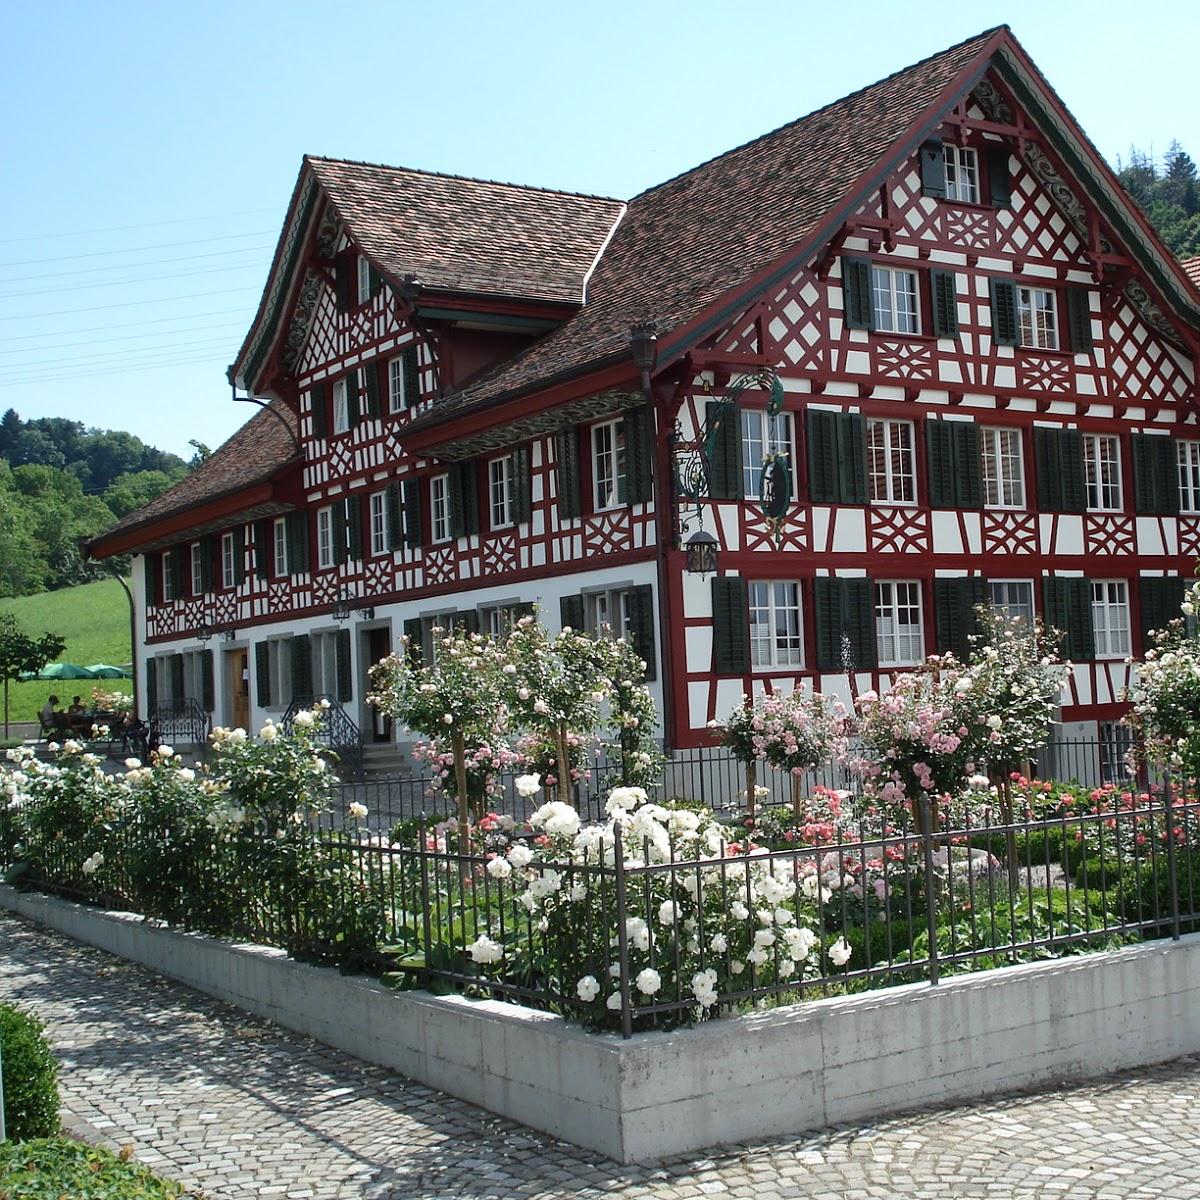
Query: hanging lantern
x=702, y=550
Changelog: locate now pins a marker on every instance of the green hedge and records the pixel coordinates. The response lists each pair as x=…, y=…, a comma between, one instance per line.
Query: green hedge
x=51, y=1168
x=30, y=1077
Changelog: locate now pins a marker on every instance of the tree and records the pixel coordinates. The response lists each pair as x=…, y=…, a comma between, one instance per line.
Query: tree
x=137, y=488
x=20, y=652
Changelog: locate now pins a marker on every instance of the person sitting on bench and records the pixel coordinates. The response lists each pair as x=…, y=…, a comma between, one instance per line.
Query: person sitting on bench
x=53, y=721
x=77, y=716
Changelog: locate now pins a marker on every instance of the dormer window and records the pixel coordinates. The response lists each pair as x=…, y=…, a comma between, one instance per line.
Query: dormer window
x=962, y=173
x=364, y=279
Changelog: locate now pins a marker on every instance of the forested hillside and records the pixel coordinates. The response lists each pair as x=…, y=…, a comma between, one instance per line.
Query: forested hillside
x=1168, y=192
x=60, y=482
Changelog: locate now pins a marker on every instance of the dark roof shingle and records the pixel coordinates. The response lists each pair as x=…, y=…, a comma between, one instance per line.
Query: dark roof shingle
x=1191, y=268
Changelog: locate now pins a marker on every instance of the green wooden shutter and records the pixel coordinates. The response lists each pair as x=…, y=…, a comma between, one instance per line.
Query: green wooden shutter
x=354, y=527
x=297, y=539
x=352, y=410
x=208, y=691
x=731, y=625
x=852, y=458
x=176, y=568
x=858, y=620
x=467, y=620
x=371, y=408
x=641, y=625
x=1068, y=608
x=999, y=180
x=566, y=468
x=262, y=549
x=522, y=484
x=1005, y=329
x=939, y=451
x=570, y=611
x=933, y=169
x=344, y=272
x=827, y=611
x=176, y=661
x=262, y=674
x=1155, y=475
x=345, y=688
x=416, y=642
x=376, y=279
x=464, y=498
x=943, y=289
x=1047, y=457
x=206, y=563
x=638, y=425
x=1079, y=320
x=725, y=470
x=955, y=602
x=412, y=377
x=821, y=431
x=1074, y=496
x=239, y=555
x=395, y=516
x=337, y=517
x=968, y=465
x=151, y=687
x=300, y=656
x=412, y=512
x=319, y=398
x=1160, y=599
x=857, y=305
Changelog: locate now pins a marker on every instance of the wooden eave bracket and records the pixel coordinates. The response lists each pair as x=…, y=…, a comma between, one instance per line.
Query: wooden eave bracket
x=880, y=231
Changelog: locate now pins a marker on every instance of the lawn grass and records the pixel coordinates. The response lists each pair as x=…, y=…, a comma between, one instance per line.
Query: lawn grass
x=53, y=1168
x=94, y=620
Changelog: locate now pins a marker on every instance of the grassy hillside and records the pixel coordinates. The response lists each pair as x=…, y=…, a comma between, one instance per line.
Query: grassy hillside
x=94, y=620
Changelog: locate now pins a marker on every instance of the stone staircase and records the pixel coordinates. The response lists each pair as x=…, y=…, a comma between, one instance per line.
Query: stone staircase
x=381, y=759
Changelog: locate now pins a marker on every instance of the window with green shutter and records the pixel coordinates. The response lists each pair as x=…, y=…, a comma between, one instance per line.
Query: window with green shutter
x=837, y=462
x=1068, y=608
x=345, y=686
x=239, y=555
x=1160, y=598
x=354, y=528
x=844, y=610
x=522, y=485
x=953, y=463
x=464, y=498
x=731, y=625
x=262, y=674
x=571, y=613
x=639, y=453
x=414, y=633
x=345, y=273
x=566, y=470
x=1155, y=475
x=207, y=547
x=208, y=692
x=176, y=673
x=999, y=180
x=151, y=686
x=412, y=512
x=262, y=550
x=412, y=377
x=1079, y=319
x=1005, y=329
x=353, y=412
x=319, y=400
x=1058, y=465
x=371, y=407
x=297, y=543
x=175, y=565
x=933, y=169
x=725, y=447
x=640, y=608
x=955, y=605
x=943, y=287
x=857, y=304
x=301, y=664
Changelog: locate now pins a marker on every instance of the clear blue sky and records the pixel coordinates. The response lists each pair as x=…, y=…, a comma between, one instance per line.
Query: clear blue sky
x=148, y=150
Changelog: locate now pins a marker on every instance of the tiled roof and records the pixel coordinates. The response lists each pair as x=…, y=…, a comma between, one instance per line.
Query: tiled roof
x=470, y=235
x=686, y=242
x=251, y=456
x=1191, y=268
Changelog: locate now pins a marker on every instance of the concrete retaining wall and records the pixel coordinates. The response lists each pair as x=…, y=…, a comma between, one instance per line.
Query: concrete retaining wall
x=783, y=1071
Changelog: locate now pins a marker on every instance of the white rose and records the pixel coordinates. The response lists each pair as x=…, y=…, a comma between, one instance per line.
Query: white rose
x=648, y=981
x=484, y=950
x=528, y=785
x=668, y=912
x=268, y=733
x=520, y=855
x=166, y=751
x=499, y=868
x=839, y=952
x=587, y=989
x=357, y=811
x=613, y=1003
x=994, y=722
x=133, y=763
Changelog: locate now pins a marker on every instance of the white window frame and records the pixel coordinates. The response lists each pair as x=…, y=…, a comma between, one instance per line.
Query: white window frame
x=896, y=483
x=1116, y=740
x=500, y=491
x=279, y=545
x=609, y=482
x=363, y=276
x=776, y=624
x=1037, y=317
x=1003, y=470
x=325, y=556
x=168, y=582
x=397, y=399
x=341, y=406
x=228, y=561
x=897, y=648
x=380, y=542
x=1110, y=618
x=1003, y=604
x=896, y=308
x=1187, y=456
x=323, y=644
x=439, y=508
x=606, y=612
x=763, y=433
x=1102, y=481
x=962, y=173
x=197, y=568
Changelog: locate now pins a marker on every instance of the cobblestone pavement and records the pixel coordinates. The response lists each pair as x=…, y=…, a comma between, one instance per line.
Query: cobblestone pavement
x=238, y=1108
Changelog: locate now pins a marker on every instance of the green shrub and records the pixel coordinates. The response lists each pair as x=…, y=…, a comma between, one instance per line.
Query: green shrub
x=51, y=1168
x=30, y=1077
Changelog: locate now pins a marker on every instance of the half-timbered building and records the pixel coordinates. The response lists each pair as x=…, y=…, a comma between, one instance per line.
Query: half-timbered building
x=927, y=313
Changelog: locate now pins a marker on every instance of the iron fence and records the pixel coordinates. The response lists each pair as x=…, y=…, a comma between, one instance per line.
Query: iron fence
x=899, y=902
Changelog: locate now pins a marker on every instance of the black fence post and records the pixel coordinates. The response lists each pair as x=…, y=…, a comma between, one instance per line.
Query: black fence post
x=1172, y=868
x=426, y=920
x=622, y=932
x=925, y=812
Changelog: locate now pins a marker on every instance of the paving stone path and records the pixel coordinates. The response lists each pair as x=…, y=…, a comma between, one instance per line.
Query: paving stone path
x=239, y=1108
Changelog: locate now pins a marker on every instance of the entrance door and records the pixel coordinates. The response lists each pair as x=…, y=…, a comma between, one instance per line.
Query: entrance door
x=377, y=644
x=238, y=684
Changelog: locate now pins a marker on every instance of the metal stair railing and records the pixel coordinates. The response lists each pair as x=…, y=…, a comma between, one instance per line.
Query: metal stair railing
x=336, y=730
x=184, y=720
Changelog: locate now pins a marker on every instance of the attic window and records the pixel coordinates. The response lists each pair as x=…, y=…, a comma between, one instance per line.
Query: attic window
x=962, y=173
x=364, y=280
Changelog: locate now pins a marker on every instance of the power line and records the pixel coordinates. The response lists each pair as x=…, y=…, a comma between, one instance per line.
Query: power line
x=180, y=362
x=66, y=312
x=58, y=291
x=56, y=333
x=225, y=237
x=42, y=237
x=117, y=355
x=154, y=262
x=129, y=337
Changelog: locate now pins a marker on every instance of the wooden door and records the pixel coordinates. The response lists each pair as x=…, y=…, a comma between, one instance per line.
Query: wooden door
x=239, y=687
x=378, y=645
